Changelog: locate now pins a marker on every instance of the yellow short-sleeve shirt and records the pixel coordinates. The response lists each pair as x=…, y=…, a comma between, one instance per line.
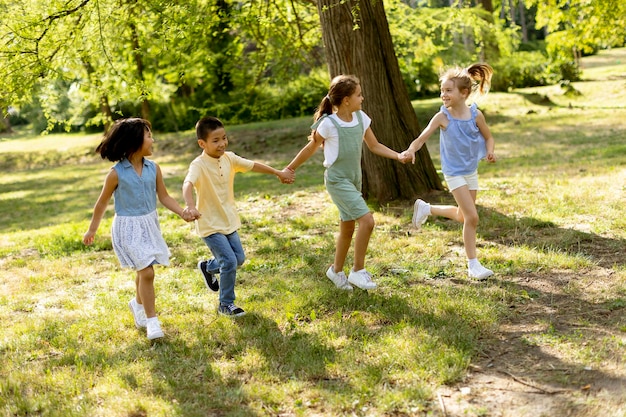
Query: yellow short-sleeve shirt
x=213, y=180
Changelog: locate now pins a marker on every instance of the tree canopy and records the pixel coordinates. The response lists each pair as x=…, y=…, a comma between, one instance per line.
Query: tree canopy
x=81, y=63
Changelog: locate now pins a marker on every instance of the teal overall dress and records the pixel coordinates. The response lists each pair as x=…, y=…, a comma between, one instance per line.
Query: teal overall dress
x=343, y=179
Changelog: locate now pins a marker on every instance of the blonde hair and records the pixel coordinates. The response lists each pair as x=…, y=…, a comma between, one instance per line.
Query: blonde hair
x=476, y=78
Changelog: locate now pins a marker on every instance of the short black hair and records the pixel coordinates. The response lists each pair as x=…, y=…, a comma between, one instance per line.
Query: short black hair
x=206, y=125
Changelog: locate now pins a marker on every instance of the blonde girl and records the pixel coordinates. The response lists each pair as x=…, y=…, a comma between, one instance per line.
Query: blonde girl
x=465, y=139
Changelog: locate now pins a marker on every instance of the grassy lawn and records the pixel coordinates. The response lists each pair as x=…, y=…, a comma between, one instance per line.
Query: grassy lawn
x=552, y=228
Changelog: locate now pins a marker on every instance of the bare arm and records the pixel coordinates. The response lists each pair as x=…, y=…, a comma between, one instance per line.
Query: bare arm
x=285, y=176
x=315, y=142
x=484, y=130
x=168, y=201
x=189, y=200
x=110, y=184
x=438, y=121
x=378, y=148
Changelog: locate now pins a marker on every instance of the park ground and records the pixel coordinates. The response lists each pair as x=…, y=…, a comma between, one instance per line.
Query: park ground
x=545, y=337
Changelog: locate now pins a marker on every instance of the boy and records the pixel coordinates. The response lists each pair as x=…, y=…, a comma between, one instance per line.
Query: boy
x=212, y=175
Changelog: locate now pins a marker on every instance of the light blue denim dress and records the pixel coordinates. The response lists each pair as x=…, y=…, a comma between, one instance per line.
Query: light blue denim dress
x=136, y=232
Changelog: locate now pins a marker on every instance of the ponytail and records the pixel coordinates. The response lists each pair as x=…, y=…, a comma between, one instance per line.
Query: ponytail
x=325, y=107
x=476, y=78
x=482, y=73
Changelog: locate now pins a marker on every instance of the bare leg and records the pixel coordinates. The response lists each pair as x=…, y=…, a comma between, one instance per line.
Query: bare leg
x=137, y=296
x=346, y=230
x=145, y=292
x=363, y=234
x=466, y=199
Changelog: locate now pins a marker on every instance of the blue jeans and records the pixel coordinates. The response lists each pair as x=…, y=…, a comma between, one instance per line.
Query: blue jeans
x=228, y=256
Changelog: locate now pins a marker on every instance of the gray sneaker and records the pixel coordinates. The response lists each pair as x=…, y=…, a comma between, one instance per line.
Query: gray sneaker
x=339, y=279
x=210, y=280
x=230, y=310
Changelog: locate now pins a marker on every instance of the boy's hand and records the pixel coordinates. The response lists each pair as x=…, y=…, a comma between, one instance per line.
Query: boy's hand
x=491, y=157
x=190, y=214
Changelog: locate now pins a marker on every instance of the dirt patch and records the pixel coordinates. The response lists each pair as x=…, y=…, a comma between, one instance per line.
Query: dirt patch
x=523, y=371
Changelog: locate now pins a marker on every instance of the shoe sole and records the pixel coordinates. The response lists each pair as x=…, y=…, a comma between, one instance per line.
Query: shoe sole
x=231, y=315
x=362, y=287
x=414, y=219
x=206, y=284
x=132, y=310
x=156, y=336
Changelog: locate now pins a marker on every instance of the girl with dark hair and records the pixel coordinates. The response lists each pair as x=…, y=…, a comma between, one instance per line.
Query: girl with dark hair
x=135, y=182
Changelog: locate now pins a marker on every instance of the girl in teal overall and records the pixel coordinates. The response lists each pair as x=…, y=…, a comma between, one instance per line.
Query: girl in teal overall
x=341, y=127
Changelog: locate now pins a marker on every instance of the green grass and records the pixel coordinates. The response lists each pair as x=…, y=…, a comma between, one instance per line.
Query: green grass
x=551, y=206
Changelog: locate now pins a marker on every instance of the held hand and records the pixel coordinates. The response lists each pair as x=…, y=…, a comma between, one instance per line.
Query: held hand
x=190, y=214
x=287, y=176
x=407, y=156
x=88, y=238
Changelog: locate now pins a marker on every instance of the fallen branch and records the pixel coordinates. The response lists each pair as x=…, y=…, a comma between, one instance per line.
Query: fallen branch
x=442, y=405
x=528, y=384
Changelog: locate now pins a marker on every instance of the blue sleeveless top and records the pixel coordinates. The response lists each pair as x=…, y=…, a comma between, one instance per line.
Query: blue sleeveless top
x=461, y=144
x=135, y=195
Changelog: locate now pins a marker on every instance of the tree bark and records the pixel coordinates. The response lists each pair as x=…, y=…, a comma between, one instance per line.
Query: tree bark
x=357, y=41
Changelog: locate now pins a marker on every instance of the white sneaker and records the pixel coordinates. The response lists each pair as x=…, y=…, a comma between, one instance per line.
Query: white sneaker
x=479, y=272
x=421, y=211
x=139, y=314
x=153, y=329
x=361, y=279
x=339, y=279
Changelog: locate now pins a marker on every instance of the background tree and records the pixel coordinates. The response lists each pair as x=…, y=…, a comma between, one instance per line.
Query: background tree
x=357, y=40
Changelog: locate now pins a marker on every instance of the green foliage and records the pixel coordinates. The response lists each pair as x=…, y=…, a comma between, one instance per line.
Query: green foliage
x=73, y=65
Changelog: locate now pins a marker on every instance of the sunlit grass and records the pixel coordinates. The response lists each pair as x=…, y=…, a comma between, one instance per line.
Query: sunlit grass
x=551, y=207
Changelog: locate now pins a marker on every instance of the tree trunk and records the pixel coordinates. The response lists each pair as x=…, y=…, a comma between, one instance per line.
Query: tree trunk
x=357, y=40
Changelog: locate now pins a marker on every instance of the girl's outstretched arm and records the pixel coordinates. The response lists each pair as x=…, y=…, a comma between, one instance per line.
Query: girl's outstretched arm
x=378, y=148
x=315, y=142
x=165, y=199
x=439, y=120
x=110, y=184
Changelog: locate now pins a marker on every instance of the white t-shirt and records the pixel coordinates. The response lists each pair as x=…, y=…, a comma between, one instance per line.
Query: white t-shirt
x=328, y=131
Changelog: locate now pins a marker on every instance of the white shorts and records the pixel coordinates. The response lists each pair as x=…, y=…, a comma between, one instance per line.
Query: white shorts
x=457, y=181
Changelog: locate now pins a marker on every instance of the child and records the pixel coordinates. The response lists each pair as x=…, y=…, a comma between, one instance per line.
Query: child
x=136, y=234
x=212, y=175
x=341, y=126
x=465, y=139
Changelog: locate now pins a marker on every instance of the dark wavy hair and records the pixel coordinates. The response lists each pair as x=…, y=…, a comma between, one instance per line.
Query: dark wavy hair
x=123, y=139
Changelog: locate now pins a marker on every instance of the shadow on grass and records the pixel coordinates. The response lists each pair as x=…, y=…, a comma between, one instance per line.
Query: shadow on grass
x=545, y=236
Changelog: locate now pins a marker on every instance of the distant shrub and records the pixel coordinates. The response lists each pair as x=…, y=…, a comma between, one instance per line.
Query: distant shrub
x=530, y=69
